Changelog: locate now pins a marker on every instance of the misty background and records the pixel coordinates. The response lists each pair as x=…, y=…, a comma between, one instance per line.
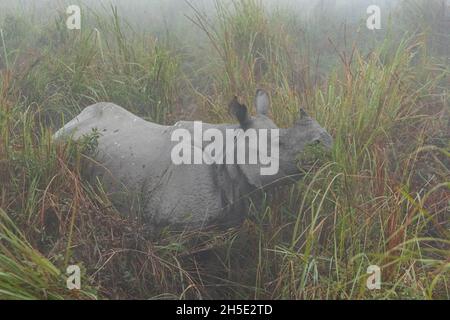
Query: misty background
x=339, y=23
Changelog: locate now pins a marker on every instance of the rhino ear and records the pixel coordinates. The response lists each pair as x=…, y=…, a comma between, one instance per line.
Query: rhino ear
x=303, y=114
x=239, y=111
x=302, y=118
x=262, y=102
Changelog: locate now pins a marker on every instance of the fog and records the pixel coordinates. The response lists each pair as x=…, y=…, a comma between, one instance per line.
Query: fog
x=172, y=16
x=144, y=12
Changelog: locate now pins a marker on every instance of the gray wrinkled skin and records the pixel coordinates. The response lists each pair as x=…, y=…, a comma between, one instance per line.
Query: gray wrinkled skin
x=134, y=166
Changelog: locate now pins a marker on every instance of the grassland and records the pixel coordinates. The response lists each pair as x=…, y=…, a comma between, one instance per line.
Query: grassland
x=380, y=198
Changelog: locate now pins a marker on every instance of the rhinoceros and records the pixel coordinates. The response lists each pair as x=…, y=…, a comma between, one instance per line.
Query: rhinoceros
x=132, y=161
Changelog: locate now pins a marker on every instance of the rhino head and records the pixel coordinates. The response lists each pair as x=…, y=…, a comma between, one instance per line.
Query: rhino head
x=293, y=141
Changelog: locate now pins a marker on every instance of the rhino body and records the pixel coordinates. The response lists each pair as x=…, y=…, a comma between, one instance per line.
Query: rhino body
x=133, y=163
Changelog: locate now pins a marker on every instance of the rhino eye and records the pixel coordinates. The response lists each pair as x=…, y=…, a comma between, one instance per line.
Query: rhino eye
x=316, y=142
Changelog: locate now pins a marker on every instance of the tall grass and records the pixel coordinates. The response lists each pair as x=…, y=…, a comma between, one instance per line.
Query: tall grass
x=380, y=198
x=107, y=62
